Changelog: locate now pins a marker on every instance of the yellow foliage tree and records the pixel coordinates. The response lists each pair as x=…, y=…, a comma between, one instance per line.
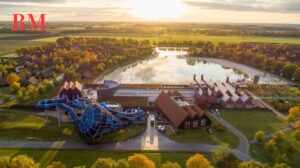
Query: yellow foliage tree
x=295, y=111
x=198, y=161
x=12, y=77
x=251, y=164
x=23, y=161
x=140, y=161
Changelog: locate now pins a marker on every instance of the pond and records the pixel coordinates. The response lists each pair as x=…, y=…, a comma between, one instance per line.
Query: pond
x=171, y=66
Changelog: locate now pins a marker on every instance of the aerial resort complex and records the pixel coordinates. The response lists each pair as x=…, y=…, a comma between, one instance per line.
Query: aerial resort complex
x=150, y=84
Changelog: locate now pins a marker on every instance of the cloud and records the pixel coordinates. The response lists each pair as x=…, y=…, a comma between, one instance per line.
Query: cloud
x=248, y=5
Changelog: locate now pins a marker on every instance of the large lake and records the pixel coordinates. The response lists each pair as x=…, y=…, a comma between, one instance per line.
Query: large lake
x=171, y=67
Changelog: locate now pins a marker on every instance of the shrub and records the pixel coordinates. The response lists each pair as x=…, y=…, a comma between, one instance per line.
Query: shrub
x=271, y=145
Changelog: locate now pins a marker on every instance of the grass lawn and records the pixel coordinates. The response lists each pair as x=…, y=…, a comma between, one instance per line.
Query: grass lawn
x=22, y=125
x=250, y=121
x=87, y=157
x=200, y=135
x=189, y=36
x=288, y=146
x=19, y=125
x=123, y=134
x=12, y=34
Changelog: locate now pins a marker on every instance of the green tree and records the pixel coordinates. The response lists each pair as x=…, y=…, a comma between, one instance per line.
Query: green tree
x=271, y=145
x=140, y=161
x=281, y=165
x=228, y=161
x=23, y=161
x=289, y=69
x=296, y=74
x=296, y=135
x=278, y=136
x=56, y=165
x=260, y=136
x=219, y=153
x=104, y=163
x=197, y=161
x=170, y=165
x=251, y=164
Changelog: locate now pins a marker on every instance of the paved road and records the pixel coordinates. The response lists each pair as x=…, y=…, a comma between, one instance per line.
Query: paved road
x=244, y=143
x=151, y=139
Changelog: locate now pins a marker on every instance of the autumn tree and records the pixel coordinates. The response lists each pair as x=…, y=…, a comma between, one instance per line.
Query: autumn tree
x=222, y=157
x=12, y=77
x=23, y=161
x=140, y=161
x=278, y=136
x=122, y=163
x=251, y=164
x=197, y=161
x=271, y=145
x=104, y=163
x=170, y=165
x=281, y=165
x=4, y=162
x=56, y=165
x=260, y=136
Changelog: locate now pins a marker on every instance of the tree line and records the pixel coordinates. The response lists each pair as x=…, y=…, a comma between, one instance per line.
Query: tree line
x=221, y=158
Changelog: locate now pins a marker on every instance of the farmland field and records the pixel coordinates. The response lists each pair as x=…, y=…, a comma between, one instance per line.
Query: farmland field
x=191, y=37
x=9, y=46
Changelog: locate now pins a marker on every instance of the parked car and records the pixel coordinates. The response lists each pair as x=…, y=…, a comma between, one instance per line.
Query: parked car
x=161, y=128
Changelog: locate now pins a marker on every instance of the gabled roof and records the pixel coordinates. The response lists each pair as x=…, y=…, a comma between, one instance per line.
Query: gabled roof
x=171, y=109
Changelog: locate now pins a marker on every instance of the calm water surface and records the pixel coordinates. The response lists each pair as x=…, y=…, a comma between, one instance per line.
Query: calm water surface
x=171, y=67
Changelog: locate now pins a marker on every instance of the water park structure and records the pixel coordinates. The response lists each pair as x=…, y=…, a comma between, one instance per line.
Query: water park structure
x=92, y=119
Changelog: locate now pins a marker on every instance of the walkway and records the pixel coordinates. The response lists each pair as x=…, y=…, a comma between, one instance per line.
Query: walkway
x=151, y=139
x=244, y=145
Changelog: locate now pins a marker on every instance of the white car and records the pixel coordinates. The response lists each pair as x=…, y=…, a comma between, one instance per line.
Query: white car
x=161, y=128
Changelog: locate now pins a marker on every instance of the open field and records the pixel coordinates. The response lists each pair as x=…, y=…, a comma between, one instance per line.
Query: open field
x=12, y=34
x=86, y=157
x=189, y=36
x=200, y=135
x=250, y=121
x=9, y=46
x=289, y=146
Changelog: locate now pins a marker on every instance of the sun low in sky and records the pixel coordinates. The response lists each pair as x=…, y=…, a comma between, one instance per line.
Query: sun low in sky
x=217, y=11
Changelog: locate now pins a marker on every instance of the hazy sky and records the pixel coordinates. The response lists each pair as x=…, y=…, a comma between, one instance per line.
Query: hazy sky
x=232, y=11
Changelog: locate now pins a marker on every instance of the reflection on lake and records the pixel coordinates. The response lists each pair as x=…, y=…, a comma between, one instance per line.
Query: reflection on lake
x=171, y=67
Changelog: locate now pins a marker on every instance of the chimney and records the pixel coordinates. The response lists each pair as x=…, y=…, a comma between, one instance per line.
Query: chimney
x=202, y=77
x=227, y=80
